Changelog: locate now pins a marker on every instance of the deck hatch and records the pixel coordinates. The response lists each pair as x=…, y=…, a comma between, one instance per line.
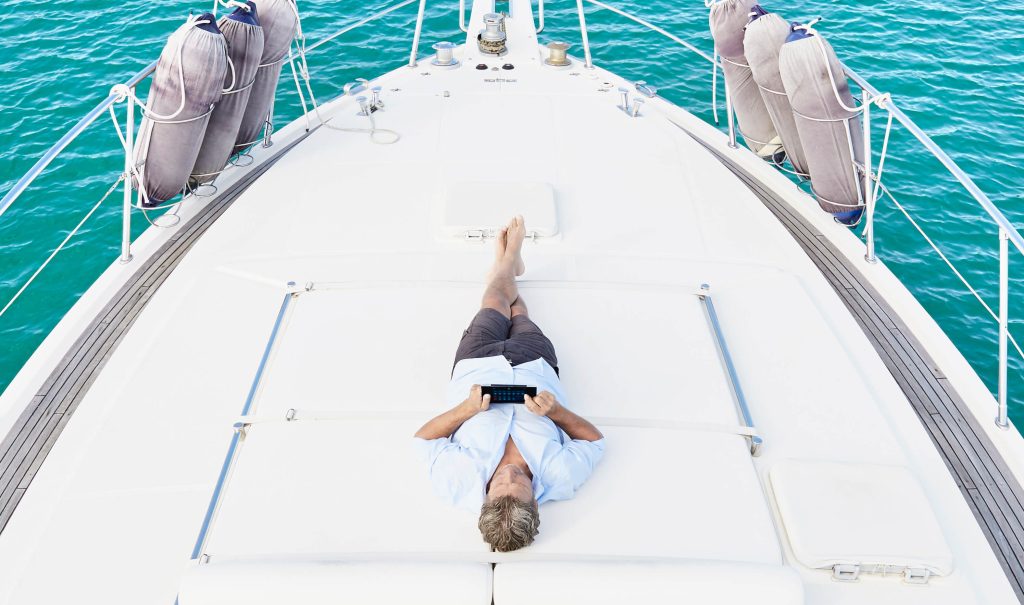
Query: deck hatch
x=476, y=210
x=854, y=519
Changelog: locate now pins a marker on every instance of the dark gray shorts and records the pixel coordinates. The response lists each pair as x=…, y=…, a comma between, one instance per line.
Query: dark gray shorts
x=518, y=339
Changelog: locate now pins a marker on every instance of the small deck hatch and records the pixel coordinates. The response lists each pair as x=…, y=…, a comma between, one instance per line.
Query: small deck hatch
x=855, y=519
x=477, y=210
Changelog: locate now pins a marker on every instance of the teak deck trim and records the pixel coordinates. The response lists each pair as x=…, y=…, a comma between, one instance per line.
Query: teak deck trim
x=987, y=485
x=29, y=441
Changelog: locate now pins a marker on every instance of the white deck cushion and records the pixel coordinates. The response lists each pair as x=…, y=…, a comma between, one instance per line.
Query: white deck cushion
x=353, y=486
x=869, y=515
x=597, y=583
x=331, y=582
x=489, y=205
x=665, y=493
x=638, y=352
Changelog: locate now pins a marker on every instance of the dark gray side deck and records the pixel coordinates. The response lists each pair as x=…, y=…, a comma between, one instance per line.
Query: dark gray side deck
x=992, y=492
x=29, y=441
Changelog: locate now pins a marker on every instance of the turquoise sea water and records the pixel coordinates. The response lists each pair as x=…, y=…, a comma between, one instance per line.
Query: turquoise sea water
x=954, y=66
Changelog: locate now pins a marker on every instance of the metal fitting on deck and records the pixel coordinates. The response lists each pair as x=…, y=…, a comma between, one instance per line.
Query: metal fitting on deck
x=557, y=54
x=444, y=55
x=630, y=109
x=492, y=38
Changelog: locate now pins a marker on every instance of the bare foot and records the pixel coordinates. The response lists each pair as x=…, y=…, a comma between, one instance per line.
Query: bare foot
x=514, y=235
x=500, y=242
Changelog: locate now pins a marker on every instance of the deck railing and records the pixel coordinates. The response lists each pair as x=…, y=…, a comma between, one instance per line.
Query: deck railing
x=1006, y=231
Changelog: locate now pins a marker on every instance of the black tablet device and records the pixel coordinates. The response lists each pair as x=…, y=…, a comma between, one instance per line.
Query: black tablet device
x=508, y=393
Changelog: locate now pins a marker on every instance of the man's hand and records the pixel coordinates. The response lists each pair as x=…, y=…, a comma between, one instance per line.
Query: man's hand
x=577, y=427
x=476, y=402
x=544, y=404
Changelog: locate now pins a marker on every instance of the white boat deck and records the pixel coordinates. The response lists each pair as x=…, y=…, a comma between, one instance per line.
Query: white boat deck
x=645, y=215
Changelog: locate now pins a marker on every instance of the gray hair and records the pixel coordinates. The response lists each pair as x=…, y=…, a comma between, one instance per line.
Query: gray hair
x=508, y=524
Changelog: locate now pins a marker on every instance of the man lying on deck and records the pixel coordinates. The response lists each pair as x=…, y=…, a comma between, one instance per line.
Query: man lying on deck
x=506, y=459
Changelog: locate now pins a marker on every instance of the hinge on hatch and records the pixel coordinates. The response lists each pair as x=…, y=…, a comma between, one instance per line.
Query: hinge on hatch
x=850, y=572
x=845, y=572
x=916, y=575
x=480, y=235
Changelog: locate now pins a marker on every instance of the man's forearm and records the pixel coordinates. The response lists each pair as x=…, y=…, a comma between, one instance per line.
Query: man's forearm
x=574, y=425
x=443, y=425
x=447, y=423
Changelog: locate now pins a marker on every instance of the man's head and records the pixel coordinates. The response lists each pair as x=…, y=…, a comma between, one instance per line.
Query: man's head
x=509, y=518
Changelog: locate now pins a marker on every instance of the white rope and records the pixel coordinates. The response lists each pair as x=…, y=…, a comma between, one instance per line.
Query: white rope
x=137, y=172
x=800, y=175
x=234, y=4
x=949, y=263
x=809, y=28
x=303, y=69
x=60, y=247
x=126, y=92
x=730, y=62
x=231, y=65
x=373, y=131
x=774, y=92
x=174, y=208
x=192, y=21
x=881, y=160
x=653, y=28
x=238, y=90
x=714, y=86
x=298, y=88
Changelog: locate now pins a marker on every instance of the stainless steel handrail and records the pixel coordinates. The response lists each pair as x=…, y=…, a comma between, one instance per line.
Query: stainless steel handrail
x=654, y=28
x=357, y=24
x=966, y=181
x=465, y=28
x=233, y=446
x=756, y=442
x=1007, y=231
x=416, y=34
x=66, y=140
x=47, y=158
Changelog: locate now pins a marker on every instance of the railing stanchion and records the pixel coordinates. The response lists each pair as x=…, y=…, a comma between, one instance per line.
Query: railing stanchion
x=416, y=35
x=268, y=125
x=462, y=16
x=731, y=118
x=589, y=64
x=126, y=220
x=869, y=190
x=1002, y=421
x=540, y=11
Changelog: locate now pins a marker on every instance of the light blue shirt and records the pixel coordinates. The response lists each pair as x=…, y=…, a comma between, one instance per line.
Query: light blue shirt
x=461, y=466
